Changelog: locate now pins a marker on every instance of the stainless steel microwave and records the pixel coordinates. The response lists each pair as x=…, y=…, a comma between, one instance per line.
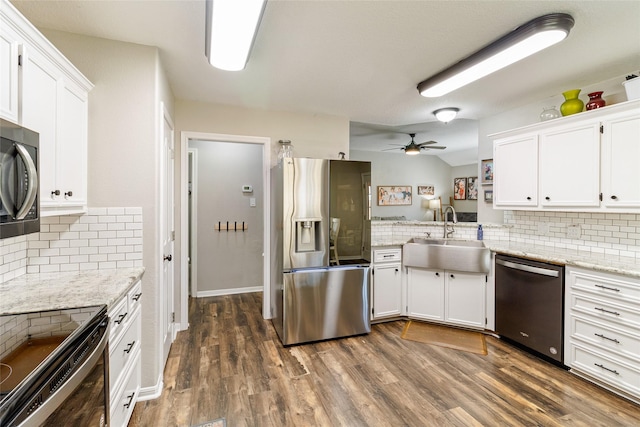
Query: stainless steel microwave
x=19, y=182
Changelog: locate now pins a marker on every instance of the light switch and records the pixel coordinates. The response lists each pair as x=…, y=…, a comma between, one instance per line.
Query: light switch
x=252, y=202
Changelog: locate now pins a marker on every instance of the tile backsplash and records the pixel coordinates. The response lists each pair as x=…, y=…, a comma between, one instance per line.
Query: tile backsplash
x=101, y=239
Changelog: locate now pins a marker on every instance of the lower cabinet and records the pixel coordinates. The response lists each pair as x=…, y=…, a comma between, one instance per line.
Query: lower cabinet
x=602, y=329
x=386, y=300
x=447, y=296
x=124, y=355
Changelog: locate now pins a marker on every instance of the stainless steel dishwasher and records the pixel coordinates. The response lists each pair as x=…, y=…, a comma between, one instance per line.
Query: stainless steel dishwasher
x=530, y=304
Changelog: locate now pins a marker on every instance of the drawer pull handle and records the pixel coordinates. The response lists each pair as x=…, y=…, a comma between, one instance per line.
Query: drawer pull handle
x=607, y=311
x=388, y=256
x=120, y=319
x=613, y=371
x=607, y=288
x=129, y=347
x=607, y=338
x=130, y=397
x=137, y=296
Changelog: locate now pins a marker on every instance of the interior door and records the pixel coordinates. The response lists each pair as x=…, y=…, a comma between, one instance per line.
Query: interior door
x=167, y=231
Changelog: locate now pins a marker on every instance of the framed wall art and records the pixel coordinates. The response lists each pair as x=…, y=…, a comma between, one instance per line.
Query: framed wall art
x=426, y=190
x=487, y=171
x=394, y=195
x=459, y=188
x=488, y=196
x=472, y=188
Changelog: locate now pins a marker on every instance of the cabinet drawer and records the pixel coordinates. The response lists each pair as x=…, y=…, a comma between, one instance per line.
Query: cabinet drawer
x=123, y=351
x=122, y=405
x=605, y=311
x=613, y=339
x=607, y=287
x=606, y=368
x=117, y=316
x=387, y=255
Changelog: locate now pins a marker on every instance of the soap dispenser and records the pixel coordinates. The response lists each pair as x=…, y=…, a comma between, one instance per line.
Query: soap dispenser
x=480, y=232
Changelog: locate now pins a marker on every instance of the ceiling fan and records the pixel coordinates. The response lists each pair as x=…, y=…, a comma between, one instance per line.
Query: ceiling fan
x=412, y=148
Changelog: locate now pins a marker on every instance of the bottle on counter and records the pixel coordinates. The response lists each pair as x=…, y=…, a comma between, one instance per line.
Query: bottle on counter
x=480, y=232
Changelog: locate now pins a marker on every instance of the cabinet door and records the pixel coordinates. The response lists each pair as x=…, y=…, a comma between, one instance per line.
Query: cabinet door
x=39, y=106
x=387, y=290
x=425, y=294
x=465, y=299
x=620, y=160
x=516, y=172
x=570, y=166
x=71, y=170
x=9, y=45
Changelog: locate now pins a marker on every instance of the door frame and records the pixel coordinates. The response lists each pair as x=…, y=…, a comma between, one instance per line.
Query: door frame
x=192, y=265
x=185, y=137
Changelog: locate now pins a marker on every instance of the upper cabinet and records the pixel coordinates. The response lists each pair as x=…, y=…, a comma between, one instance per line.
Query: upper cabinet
x=44, y=92
x=584, y=162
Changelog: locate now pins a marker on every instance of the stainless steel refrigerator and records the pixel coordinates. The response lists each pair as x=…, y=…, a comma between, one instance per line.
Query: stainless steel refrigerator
x=312, y=298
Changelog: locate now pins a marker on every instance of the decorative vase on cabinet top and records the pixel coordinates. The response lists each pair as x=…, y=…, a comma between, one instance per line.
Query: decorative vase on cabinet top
x=549, y=113
x=572, y=103
x=595, y=101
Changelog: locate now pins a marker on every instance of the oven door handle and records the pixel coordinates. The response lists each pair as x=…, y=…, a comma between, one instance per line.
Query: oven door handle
x=32, y=182
x=528, y=268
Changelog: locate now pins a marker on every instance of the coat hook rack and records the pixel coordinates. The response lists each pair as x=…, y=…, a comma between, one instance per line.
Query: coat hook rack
x=231, y=226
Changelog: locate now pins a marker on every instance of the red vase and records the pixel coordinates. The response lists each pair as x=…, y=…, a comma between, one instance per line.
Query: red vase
x=595, y=101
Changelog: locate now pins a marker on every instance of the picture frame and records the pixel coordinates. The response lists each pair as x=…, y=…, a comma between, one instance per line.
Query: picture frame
x=426, y=190
x=472, y=188
x=459, y=188
x=488, y=196
x=487, y=171
x=394, y=195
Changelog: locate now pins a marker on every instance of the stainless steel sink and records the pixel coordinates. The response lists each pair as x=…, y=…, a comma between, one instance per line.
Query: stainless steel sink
x=443, y=254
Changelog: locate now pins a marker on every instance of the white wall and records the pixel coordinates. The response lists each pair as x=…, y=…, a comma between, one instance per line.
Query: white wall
x=123, y=150
x=466, y=171
x=400, y=169
x=228, y=260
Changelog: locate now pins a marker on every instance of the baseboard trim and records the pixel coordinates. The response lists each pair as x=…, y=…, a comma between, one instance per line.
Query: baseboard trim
x=231, y=291
x=153, y=392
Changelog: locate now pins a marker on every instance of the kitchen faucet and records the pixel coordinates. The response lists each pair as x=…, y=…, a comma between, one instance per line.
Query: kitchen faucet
x=448, y=229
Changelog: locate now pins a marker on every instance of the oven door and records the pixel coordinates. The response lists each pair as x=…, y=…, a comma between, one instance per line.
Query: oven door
x=71, y=387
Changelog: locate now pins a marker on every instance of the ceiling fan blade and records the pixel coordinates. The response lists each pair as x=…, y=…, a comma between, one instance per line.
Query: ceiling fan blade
x=427, y=143
x=434, y=147
x=393, y=149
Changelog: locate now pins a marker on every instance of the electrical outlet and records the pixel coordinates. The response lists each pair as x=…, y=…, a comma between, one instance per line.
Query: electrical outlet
x=573, y=231
x=543, y=228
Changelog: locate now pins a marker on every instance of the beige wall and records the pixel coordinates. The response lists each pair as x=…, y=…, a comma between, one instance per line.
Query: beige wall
x=123, y=160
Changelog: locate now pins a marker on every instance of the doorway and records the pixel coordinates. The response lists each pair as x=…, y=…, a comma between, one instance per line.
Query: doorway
x=218, y=224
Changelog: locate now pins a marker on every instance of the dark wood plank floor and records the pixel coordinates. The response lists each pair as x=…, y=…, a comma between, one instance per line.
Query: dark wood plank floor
x=231, y=364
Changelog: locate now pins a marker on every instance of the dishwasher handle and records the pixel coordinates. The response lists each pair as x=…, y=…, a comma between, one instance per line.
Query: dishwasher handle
x=528, y=268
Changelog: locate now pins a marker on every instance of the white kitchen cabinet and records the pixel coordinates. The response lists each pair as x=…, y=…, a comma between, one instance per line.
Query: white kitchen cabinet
x=447, y=296
x=48, y=95
x=570, y=155
x=586, y=162
x=386, y=274
x=621, y=155
x=516, y=171
x=602, y=329
x=124, y=355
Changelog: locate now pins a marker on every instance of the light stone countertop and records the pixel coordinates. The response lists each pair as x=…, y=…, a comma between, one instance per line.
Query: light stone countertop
x=626, y=266
x=56, y=291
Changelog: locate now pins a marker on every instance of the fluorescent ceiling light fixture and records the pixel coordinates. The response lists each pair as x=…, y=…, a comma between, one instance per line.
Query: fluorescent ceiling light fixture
x=525, y=40
x=445, y=115
x=231, y=26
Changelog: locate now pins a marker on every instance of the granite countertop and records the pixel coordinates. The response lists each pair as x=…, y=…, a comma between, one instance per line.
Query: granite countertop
x=627, y=266
x=57, y=291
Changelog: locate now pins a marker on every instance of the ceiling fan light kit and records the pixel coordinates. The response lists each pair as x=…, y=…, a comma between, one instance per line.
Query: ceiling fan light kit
x=230, y=30
x=527, y=39
x=445, y=115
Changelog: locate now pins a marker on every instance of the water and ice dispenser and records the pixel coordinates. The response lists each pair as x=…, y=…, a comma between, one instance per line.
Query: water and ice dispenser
x=308, y=235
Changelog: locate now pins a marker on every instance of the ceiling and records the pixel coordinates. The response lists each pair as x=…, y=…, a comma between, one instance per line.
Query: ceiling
x=364, y=59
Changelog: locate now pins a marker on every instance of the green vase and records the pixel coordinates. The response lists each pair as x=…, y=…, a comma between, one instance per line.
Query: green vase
x=572, y=103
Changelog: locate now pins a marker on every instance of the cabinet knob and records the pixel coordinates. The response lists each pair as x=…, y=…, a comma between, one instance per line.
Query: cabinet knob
x=437, y=274
x=397, y=270
x=547, y=198
x=452, y=276
x=167, y=258
x=55, y=193
x=528, y=198
x=614, y=197
x=68, y=194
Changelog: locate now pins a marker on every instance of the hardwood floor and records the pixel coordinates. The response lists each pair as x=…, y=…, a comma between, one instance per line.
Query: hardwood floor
x=231, y=364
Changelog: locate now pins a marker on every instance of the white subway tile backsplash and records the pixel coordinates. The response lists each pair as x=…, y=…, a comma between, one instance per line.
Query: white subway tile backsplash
x=103, y=238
